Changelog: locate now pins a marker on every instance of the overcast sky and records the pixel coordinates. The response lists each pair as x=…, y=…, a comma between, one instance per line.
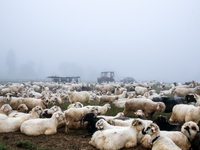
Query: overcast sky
x=148, y=40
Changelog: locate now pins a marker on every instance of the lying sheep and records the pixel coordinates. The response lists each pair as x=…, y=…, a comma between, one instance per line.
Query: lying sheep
x=181, y=139
x=11, y=124
x=109, y=139
x=104, y=125
x=109, y=118
x=163, y=124
x=159, y=142
x=139, y=114
x=109, y=99
x=82, y=97
x=42, y=126
x=32, y=102
x=146, y=105
x=35, y=113
x=6, y=109
x=183, y=113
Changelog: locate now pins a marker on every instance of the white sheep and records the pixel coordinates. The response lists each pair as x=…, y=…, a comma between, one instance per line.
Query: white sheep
x=102, y=109
x=35, y=127
x=104, y=125
x=76, y=115
x=182, y=113
x=82, y=97
x=35, y=113
x=109, y=139
x=11, y=124
x=141, y=90
x=158, y=141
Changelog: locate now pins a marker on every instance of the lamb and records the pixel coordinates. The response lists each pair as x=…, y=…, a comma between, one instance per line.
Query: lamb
x=158, y=141
x=82, y=97
x=109, y=99
x=146, y=105
x=163, y=124
x=181, y=92
x=42, y=126
x=75, y=115
x=183, y=113
x=109, y=139
x=141, y=90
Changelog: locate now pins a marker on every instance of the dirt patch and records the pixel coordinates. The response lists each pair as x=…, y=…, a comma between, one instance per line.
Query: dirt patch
x=59, y=141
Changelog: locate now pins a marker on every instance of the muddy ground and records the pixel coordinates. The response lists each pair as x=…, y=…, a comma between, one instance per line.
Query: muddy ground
x=59, y=141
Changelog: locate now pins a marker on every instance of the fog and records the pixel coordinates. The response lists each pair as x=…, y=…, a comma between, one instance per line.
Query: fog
x=147, y=40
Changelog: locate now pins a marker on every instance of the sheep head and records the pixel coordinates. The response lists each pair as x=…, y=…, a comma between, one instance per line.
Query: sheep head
x=190, y=129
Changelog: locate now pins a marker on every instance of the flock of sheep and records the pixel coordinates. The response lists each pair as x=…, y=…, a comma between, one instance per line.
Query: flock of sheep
x=24, y=107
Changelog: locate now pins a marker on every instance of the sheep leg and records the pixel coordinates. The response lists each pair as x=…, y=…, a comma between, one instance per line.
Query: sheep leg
x=67, y=127
x=50, y=131
x=130, y=144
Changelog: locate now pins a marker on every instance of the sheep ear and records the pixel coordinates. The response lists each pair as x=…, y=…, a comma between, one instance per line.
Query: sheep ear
x=134, y=122
x=135, y=113
x=157, y=106
x=2, y=108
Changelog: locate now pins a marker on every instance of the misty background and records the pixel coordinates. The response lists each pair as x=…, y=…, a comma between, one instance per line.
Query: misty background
x=147, y=40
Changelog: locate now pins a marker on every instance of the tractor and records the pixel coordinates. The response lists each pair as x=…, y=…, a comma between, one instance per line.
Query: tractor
x=106, y=77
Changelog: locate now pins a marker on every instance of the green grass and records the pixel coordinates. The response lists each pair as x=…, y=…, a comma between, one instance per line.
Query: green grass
x=25, y=144
x=3, y=147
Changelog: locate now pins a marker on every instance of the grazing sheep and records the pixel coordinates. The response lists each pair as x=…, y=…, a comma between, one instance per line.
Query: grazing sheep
x=35, y=127
x=109, y=139
x=82, y=97
x=120, y=103
x=109, y=99
x=146, y=105
x=183, y=113
x=76, y=115
x=158, y=141
x=181, y=92
x=170, y=102
x=141, y=90
x=163, y=124
x=102, y=109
